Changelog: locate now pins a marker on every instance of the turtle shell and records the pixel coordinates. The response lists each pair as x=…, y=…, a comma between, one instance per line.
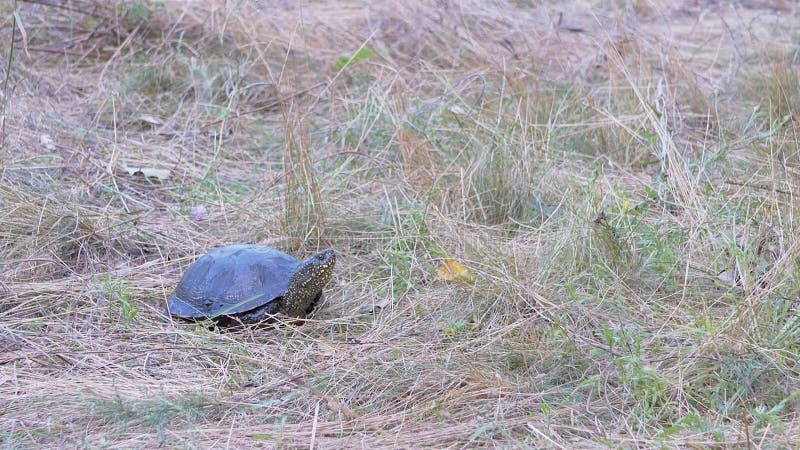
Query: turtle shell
x=232, y=280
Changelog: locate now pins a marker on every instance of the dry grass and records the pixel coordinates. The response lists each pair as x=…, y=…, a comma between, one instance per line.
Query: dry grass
x=618, y=177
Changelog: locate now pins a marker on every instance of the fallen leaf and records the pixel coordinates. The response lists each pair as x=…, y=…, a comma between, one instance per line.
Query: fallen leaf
x=455, y=109
x=150, y=120
x=452, y=270
x=148, y=172
x=47, y=142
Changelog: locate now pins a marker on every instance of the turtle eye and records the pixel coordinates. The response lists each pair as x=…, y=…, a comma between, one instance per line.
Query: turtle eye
x=321, y=257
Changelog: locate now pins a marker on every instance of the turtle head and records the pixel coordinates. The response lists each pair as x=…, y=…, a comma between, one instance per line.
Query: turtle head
x=307, y=282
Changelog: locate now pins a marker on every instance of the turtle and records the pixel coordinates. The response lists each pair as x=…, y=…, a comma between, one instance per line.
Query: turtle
x=249, y=284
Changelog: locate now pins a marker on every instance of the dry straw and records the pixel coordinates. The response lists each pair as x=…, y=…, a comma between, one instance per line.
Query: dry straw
x=615, y=184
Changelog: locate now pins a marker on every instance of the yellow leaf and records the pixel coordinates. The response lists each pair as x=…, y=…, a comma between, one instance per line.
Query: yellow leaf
x=452, y=270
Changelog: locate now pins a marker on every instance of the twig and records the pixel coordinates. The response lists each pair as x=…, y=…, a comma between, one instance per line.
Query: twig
x=58, y=51
x=756, y=186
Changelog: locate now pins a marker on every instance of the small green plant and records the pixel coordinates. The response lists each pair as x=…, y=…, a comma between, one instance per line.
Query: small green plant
x=155, y=413
x=410, y=244
x=461, y=327
x=648, y=387
x=689, y=422
x=489, y=431
x=362, y=54
x=120, y=305
x=142, y=11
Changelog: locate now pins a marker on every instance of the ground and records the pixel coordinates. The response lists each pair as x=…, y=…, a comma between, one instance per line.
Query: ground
x=557, y=224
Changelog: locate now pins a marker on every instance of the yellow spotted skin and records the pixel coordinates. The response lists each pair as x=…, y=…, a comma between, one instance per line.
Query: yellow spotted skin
x=307, y=282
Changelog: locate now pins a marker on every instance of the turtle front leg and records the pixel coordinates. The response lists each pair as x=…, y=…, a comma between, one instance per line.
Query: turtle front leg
x=317, y=300
x=260, y=314
x=267, y=312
